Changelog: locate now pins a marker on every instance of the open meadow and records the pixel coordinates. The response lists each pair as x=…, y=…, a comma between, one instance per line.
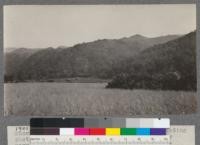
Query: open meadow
x=92, y=99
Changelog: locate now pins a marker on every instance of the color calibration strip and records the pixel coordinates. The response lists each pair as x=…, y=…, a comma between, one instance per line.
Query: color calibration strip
x=98, y=131
x=100, y=122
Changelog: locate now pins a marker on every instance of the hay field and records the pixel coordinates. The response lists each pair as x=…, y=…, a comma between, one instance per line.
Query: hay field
x=92, y=99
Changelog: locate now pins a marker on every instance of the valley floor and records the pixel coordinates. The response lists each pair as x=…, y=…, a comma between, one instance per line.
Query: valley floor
x=92, y=99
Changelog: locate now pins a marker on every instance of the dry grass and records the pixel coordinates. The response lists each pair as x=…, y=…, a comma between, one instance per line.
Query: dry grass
x=53, y=99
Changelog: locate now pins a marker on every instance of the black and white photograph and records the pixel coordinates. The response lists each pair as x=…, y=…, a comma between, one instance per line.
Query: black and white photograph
x=100, y=60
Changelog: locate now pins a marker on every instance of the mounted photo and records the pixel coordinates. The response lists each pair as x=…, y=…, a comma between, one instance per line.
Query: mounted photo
x=100, y=60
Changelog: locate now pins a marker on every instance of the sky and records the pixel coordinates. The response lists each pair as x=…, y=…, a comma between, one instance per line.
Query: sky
x=41, y=26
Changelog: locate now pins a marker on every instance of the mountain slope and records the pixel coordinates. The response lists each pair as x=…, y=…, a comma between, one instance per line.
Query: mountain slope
x=14, y=59
x=92, y=59
x=165, y=66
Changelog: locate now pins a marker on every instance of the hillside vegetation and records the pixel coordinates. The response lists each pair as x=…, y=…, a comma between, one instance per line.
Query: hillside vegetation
x=98, y=59
x=169, y=66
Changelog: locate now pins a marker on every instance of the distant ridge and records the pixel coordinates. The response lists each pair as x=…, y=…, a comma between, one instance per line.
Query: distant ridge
x=93, y=59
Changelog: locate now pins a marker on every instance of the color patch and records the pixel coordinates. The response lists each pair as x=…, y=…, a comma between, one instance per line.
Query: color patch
x=112, y=131
x=66, y=131
x=158, y=131
x=132, y=123
x=97, y=131
x=36, y=131
x=143, y=131
x=82, y=131
x=128, y=131
x=44, y=131
x=146, y=123
x=161, y=123
x=51, y=131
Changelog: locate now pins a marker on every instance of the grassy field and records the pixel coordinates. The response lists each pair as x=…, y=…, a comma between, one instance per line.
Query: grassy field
x=92, y=99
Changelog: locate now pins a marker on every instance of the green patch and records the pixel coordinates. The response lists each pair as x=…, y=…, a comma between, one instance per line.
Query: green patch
x=128, y=131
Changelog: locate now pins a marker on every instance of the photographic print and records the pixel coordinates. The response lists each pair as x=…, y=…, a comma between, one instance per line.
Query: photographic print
x=100, y=60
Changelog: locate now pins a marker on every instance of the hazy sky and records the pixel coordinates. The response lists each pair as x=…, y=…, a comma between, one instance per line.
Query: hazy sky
x=42, y=26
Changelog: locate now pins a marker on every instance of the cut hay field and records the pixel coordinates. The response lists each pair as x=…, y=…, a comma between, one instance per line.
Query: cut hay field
x=92, y=99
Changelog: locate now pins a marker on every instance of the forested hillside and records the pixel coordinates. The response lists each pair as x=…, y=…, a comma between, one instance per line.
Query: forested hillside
x=169, y=66
x=98, y=59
